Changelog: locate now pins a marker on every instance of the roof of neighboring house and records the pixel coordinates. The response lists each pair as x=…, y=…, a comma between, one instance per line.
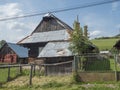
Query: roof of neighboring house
x=55, y=49
x=47, y=36
x=19, y=50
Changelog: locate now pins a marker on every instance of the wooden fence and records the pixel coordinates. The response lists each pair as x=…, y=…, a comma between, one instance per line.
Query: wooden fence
x=94, y=67
x=9, y=72
x=33, y=69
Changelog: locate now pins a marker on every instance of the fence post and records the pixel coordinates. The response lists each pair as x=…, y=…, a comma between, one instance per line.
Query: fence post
x=45, y=66
x=30, y=82
x=8, y=79
x=34, y=70
x=20, y=69
x=115, y=56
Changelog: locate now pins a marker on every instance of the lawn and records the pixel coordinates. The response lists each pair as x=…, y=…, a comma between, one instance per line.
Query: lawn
x=104, y=44
x=4, y=74
x=57, y=83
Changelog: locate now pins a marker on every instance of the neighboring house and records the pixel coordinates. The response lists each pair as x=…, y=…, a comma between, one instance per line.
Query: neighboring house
x=117, y=45
x=12, y=53
x=50, y=42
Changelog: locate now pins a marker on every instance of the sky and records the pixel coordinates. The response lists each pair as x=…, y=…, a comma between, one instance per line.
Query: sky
x=102, y=20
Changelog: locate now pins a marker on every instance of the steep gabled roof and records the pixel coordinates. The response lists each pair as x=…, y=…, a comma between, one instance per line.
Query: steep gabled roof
x=50, y=29
x=59, y=35
x=51, y=23
x=19, y=50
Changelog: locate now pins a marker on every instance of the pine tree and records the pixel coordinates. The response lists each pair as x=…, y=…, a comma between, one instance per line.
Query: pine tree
x=86, y=31
x=79, y=43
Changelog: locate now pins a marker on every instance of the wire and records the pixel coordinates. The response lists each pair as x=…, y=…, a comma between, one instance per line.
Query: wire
x=61, y=10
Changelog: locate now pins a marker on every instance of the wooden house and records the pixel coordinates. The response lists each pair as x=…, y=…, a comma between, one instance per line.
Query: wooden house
x=50, y=42
x=12, y=53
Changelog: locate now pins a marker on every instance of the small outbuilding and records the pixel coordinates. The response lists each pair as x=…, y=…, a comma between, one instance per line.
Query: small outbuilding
x=13, y=53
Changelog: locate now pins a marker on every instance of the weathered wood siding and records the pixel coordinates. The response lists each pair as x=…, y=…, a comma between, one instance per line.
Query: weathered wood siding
x=51, y=24
x=60, y=68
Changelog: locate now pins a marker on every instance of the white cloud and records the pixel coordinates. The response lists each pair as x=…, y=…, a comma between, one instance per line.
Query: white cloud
x=97, y=25
x=115, y=6
x=95, y=33
x=10, y=9
x=13, y=30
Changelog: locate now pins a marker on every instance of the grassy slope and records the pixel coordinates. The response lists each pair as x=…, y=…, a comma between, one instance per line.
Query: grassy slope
x=104, y=44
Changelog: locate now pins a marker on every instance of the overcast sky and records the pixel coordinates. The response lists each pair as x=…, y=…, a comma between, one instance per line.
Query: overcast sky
x=103, y=20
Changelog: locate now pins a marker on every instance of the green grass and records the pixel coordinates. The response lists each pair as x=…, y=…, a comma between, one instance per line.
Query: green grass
x=104, y=44
x=54, y=82
x=58, y=83
x=4, y=74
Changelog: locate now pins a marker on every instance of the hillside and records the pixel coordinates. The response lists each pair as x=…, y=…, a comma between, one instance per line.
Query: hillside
x=104, y=44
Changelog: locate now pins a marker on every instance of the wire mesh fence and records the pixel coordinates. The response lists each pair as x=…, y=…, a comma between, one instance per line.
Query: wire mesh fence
x=95, y=62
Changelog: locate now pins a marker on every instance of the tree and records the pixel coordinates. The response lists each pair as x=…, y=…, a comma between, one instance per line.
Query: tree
x=86, y=31
x=2, y=42
x=79, y=43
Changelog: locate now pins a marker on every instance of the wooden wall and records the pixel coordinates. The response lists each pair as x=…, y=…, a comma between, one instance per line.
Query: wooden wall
x=64, y=68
